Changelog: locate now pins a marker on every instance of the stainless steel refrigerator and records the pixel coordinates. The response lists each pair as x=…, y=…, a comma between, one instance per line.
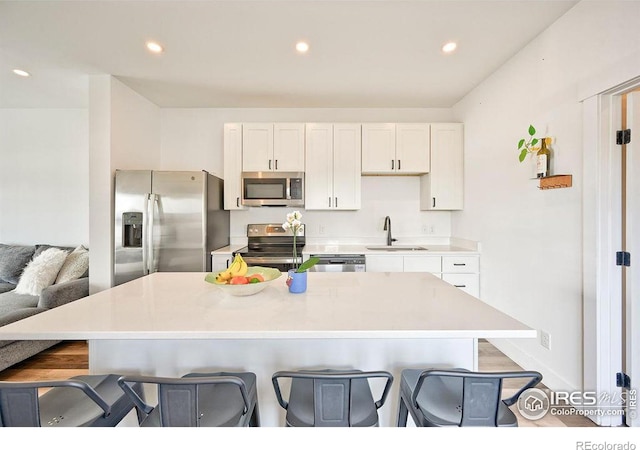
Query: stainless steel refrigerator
x=167, y=221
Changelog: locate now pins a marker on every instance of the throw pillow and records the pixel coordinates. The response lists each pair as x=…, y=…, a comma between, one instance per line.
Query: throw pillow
x=13, y=259
x=75, y=265
x=41, y=272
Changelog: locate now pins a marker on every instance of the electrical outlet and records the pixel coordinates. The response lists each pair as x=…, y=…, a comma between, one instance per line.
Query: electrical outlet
x=321, y=230
x=545, y=339
x=427, y=229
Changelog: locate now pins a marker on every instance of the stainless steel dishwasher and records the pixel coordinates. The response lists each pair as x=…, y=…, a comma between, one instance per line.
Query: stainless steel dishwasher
x=339, y=263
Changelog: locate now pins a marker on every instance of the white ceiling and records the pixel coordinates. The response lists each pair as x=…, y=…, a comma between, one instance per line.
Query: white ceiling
x=241, y=53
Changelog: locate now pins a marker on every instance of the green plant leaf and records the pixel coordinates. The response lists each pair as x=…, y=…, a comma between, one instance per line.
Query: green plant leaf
x=523, y=154
x=532, y=130
x=520, y=144
x=309, y=263
x=534, y=142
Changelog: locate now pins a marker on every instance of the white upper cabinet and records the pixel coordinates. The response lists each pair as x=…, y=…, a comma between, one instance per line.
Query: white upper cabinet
x=233, y=166
x=332, y=176
x=443, y=187
x=269, y=147
x=412, y=148
x=389, y=148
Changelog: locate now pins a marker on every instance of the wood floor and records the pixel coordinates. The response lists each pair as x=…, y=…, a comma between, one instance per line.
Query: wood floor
x=70, y=358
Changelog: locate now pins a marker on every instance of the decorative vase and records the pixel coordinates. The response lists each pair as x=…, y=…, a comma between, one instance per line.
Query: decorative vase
x=297, y=282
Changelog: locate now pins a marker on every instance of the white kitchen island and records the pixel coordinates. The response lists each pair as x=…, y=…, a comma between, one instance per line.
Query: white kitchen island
x=168, y=324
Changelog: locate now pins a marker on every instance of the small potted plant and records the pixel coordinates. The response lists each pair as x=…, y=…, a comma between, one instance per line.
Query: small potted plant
x=297, y=277
x=528, y=146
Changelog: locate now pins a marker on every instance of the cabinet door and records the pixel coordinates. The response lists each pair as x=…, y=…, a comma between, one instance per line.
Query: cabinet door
x=468, y=282
x=378, y=148
x=346, y=166
x=412, y=148
x=384, y=263
x=431, y=264
x=288, y=147
x=233, y=166
x=257, y=147
x=319, y=174
x=461, y=264
x=220, y=262
x=443, y=187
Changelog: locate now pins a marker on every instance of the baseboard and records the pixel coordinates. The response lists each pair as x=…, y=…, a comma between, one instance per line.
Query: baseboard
x=551, y=379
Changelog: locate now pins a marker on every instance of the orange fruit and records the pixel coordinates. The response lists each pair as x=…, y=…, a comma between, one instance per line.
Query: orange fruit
x=239, y=280
x=255, y=276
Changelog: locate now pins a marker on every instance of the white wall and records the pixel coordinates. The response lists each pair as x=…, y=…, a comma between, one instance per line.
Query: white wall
x=124, y=134
x=44, y=195
x=192, y=139
x=532, y=239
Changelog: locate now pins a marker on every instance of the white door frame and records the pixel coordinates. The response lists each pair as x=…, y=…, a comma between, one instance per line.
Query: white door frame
x=602, y=312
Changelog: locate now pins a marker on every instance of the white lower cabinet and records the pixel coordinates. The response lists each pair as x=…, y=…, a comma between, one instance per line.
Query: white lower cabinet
x=460, y=271
x=220, y=261
x=384, y=263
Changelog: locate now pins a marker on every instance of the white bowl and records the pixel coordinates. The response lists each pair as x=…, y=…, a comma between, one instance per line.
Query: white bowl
x=270, y=274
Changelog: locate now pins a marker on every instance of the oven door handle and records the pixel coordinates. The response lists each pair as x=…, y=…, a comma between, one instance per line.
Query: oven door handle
x=258, y=260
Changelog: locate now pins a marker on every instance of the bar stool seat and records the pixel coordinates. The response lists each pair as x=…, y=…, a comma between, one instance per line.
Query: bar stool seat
x=220, y=399
x=331, y=398
x=459, y=397
x=81, y=401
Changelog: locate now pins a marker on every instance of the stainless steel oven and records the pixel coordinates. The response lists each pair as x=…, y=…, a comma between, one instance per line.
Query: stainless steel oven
x=273, y=188
x=270, y=245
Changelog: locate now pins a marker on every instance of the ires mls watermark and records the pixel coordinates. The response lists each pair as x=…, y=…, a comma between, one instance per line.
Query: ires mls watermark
x=535, y=403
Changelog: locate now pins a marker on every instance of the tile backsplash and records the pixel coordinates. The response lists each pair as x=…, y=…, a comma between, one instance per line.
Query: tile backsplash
x=395, y=196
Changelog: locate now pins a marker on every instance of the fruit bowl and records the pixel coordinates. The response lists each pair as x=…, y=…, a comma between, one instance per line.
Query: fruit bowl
x=268, y=273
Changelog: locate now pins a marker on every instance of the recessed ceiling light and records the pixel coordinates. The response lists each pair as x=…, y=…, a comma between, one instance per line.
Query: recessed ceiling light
x=302, y=47
x=22, y=73
x=154, y=47
x=449, y=47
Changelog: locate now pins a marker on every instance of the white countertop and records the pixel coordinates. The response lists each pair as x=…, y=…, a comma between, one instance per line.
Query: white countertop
x=336, y=305
x=361, y=249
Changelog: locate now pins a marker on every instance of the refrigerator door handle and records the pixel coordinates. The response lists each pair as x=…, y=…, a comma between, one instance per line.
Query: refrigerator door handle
x=151, y=258
x=146, y=230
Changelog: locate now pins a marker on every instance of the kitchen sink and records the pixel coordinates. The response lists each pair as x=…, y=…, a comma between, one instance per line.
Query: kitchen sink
x=396, y=248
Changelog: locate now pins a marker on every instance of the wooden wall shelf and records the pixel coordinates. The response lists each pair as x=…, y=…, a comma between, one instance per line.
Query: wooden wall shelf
x=556, y=182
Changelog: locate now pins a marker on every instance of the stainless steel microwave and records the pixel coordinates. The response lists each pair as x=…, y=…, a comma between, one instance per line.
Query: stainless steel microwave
x=273, y=188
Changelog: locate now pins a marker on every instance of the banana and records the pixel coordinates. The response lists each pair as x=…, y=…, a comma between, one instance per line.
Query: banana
x=238, y=267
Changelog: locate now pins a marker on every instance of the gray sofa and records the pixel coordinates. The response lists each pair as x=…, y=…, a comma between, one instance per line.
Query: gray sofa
x=13, y=306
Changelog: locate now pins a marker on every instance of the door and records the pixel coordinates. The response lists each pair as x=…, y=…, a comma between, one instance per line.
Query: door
x=288, y=147
x=378, y=148
x=443, y=187
x=631, y=244
x=412, y=148
x=346, y=166
x=233, y=166
x=130, y=224
x=179, y=233
x=257, y=147
x=319, y=174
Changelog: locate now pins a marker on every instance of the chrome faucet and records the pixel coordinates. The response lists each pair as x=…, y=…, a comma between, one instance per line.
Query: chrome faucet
x=387, y=228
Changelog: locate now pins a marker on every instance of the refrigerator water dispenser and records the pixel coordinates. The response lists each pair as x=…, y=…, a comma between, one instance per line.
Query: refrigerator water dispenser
x=132, y=229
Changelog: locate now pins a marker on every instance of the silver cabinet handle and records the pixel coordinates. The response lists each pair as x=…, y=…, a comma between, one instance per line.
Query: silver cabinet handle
x=398, y=164
x=276, y=164
x=392, y=162
x=460, y=285
x=329, y=202
x=459, y=264
x=336, y=202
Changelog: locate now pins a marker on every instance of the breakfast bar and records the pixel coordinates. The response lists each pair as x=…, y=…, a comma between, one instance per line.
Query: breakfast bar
x=168, y=324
